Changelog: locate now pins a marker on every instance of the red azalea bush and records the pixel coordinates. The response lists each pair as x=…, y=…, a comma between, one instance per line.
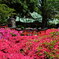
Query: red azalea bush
x=39, y=45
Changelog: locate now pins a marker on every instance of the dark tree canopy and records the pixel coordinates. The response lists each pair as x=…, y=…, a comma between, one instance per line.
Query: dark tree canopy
x=47, y=8
x=22, y=7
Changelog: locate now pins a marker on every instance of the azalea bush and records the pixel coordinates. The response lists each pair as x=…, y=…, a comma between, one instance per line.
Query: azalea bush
x=20, y=45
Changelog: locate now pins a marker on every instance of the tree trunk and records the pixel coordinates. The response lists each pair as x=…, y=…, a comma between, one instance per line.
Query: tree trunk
x=44, y=22
x=44, y=14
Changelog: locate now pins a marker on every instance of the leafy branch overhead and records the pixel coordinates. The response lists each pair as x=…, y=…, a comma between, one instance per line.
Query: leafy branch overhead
x=5, y=12
x=22, y=7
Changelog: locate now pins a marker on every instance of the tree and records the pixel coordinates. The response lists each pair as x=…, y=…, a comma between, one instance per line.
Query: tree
x=48, y=10
x=22, y=7
x=5, y=12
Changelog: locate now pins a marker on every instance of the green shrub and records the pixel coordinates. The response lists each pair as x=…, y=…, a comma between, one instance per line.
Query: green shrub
x=5, y=12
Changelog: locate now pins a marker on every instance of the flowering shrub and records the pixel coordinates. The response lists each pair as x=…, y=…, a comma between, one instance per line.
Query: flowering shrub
x=39, y=45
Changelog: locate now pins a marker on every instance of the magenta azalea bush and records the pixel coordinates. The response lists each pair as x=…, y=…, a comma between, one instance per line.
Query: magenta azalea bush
x=19, y=45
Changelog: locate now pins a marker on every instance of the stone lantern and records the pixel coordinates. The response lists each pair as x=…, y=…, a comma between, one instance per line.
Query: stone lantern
x=12, y=22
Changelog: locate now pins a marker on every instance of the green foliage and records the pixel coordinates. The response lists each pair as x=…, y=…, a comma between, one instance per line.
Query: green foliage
x=35, y=17
x=23, y=8
x=25, y=20
x=53, y=22
x=26, y=6
x=5, y=12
